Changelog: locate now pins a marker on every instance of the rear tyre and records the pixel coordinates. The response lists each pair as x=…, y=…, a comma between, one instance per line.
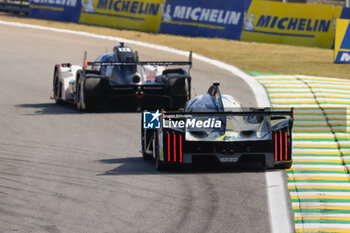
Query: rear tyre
x=57, y=89
x=160, y=165
x=145, y=155
x=179, y=92
x=95, y=94
x=80, y=96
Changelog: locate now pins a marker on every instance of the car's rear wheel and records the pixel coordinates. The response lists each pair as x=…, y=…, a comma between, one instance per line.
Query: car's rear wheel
x=145, y=155
x=95, y=94
x=57, y=86
x=160, y=165
x=179, y=92
x=80, y=95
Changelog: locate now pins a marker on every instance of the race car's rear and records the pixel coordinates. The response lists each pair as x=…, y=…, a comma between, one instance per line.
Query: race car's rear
x=114, y=87
x=268, y=140
x=169, y=93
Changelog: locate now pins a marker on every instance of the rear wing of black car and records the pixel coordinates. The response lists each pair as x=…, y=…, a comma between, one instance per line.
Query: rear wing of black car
x=141, y=63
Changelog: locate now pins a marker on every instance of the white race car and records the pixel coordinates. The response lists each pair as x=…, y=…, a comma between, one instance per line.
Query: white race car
x=216, y=127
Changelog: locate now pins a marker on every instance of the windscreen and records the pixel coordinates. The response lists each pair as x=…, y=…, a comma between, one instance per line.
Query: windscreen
x=223, y=128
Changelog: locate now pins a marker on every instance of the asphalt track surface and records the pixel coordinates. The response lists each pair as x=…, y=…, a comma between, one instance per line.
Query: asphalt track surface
x=65, y=171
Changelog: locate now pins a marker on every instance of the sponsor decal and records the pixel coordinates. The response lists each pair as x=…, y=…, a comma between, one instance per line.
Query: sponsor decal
x=192, y=123
x=288, y=23
x=205, y=18
x=345, y=57
x=132, y=7
x=129, y=14
x=199, y=14
x=70, y=3
x=62, y=10
x=88, y=6
x=152, y=120
x=342, y=41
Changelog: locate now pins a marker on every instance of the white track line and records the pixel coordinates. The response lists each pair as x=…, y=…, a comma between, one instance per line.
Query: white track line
x=325, y=175
x=305, y=214
x=328, y=185
x=319, y=193
x=320, y=204
x=278, y=208
x=316, y=158
x=337, y=186
x=279, y=215
x=318, y=166
x=322, y=225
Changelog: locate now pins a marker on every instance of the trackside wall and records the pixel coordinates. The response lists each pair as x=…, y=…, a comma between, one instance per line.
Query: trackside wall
x=247, y=20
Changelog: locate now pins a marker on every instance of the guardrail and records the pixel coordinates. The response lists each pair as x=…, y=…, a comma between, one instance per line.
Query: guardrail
x=15, y=6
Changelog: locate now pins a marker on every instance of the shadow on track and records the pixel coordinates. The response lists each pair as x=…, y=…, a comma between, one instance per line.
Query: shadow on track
x=129, y=166
x=138, y=166
x=49, y=109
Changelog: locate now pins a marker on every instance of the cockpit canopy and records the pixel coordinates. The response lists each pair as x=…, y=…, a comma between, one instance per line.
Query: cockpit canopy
x=210, y=102
x=120, y=74
x=123, y=53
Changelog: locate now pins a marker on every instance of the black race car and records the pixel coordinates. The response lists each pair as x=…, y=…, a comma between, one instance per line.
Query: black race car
x=119, y=80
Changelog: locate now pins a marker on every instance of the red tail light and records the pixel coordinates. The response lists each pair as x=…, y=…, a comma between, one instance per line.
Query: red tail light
x=286, y=145
x=280, y=145
x=174, y=147
x=275, y=146
x=139, y=94
x=168, y=147
x=173, y=143
x=180, y=142
x=281, y=139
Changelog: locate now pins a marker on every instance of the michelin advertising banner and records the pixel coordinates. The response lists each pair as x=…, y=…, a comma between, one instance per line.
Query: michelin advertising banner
x=141, y=15
x=345, y=14
x=247, y=20
x=292, y=23
x=60, y=10
x=342, y=41
x=220, y=18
